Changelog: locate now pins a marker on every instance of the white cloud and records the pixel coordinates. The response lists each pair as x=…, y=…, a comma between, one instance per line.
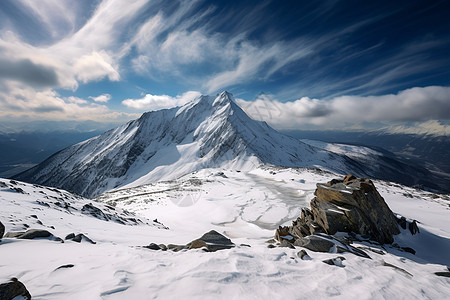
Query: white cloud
x=102, y=98
x=46, y=104
x=155, y=102
x=95, y=66
x=431, y=127
x=415, y=104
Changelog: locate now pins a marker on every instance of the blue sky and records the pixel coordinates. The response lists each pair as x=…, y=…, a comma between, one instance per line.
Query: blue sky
x=295, y=64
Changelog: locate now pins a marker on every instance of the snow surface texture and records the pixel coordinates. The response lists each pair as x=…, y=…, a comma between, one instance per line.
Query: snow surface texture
x=207, y=133
x=245, y=206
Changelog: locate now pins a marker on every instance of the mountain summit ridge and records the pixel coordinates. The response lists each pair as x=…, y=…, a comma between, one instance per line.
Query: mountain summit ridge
x=209, y=132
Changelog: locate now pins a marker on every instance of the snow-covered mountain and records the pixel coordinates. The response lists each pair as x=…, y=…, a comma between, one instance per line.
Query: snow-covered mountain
x=208, y=132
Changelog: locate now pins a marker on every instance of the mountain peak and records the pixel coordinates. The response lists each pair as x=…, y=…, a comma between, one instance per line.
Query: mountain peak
x=223, y=98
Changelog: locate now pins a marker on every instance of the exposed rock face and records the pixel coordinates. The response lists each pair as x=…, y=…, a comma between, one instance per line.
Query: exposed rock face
x=349, y=205
x=2, y=230
x=12, y=289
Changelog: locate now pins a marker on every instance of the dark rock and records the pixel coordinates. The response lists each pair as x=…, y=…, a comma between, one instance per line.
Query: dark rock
x=337, y=261
x=402, y=222
x=271, y=246
x=34, y=216
x=81, y=237
x=70, y=236
x=413, y=228
x=286, y=243
x=89, y=209
x=35, y=233
x=314, y=243
x=245, y=245
x=303, y=255
x=163, y=247
x=65, y=267
x=409, y=250
x=443, y=274
x=12, y=289
x=353, y=206
x=2, y=230
x=216, y=241
x=153, y=246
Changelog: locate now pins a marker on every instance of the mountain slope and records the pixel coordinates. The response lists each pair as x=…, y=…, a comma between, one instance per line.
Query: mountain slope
x=209, y=132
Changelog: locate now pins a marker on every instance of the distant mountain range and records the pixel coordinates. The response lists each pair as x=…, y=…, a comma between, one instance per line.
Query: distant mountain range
x=206, y=133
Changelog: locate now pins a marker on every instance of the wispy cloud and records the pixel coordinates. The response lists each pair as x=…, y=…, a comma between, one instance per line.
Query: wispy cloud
x=102, y=98
x=155, y=102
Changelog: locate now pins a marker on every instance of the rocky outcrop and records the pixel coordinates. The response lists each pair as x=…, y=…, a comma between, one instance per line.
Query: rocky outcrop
x=33, y=234
x=210, y=242
x=351, y=205
x=12, y=289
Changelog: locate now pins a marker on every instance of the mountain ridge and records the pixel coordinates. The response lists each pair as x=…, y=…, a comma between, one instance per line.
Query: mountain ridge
x=208, y=132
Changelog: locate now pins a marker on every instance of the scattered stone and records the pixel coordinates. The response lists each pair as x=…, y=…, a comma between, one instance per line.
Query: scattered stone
x=314, y=243
x=34, y=216
x=153, y=246
x=211, y=241
x=349, y=205
x=79, y=238
x=18, y=190
x=402, y=222
x=271, y=241
x=443, y=274
x=409, y=250
x=395, y=267
x=286, y=243
x=35, y=233
x=12, y=289
x=303, y=255
x=14, y=234
x=337, y=261
x=271, y=246
x=245, y=245
x=89, y=209
x=65, y=267
x=413, y=228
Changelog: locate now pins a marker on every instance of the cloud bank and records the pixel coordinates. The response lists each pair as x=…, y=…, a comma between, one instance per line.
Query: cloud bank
x=412, y=105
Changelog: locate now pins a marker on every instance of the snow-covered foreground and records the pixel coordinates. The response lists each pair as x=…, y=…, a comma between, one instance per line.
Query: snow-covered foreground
x=246, y=207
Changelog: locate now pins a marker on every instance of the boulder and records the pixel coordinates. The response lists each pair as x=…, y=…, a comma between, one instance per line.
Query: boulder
x=79, y=238
x=350, y=205
x=209, y=242
x=12, y=289
x=35, y=233
x=315, y=243
x=215, y=241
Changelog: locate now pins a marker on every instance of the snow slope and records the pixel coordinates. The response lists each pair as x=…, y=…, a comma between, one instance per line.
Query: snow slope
x=209, y=132
x=245, y=206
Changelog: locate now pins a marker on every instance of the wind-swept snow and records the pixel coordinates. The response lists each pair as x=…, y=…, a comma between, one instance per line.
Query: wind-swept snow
x=246, y=207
